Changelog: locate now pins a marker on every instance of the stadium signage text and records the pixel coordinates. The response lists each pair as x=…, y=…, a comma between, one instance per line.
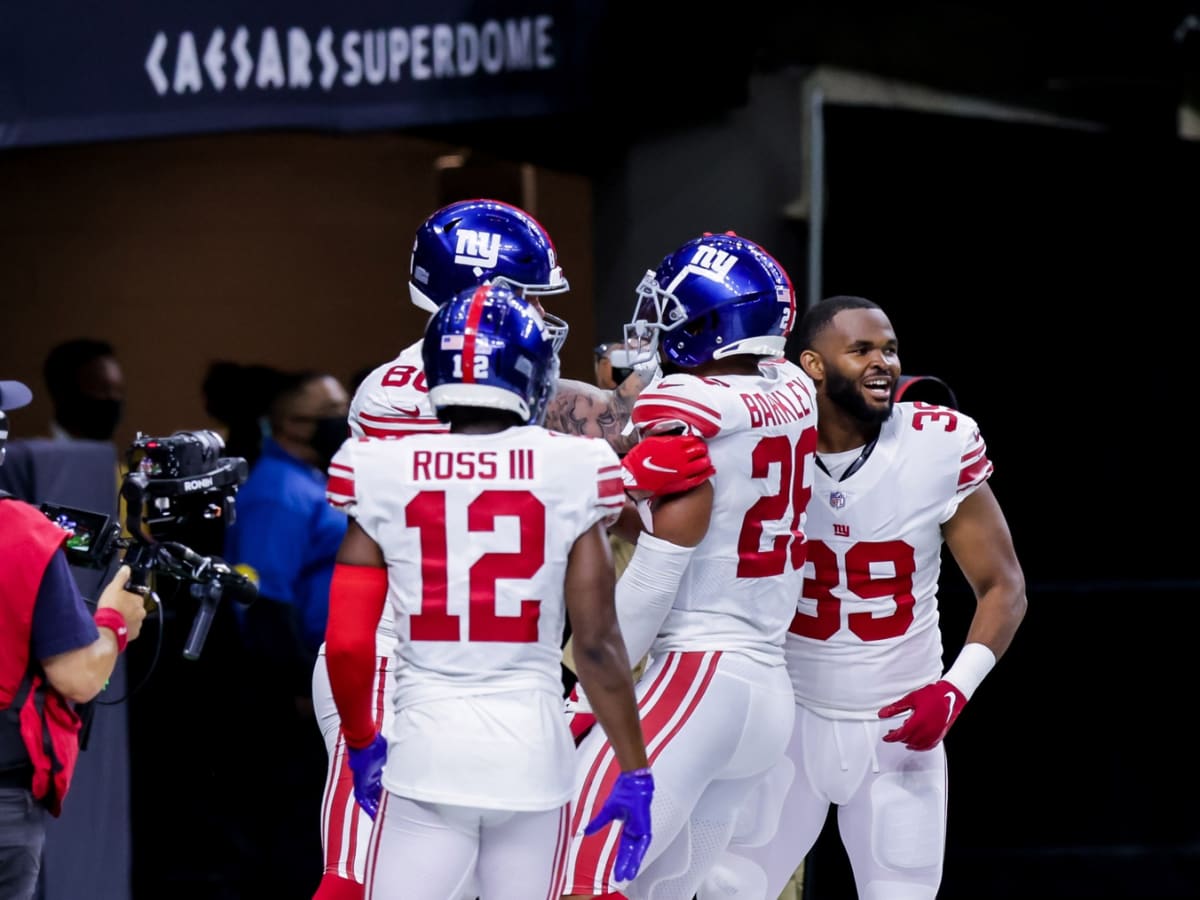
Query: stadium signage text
x=293, y=58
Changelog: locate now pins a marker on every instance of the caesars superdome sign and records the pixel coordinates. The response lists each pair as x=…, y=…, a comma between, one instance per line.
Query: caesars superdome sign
x=72, y=71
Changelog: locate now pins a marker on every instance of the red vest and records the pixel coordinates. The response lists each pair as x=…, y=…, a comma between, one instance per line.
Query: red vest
x=41, y=719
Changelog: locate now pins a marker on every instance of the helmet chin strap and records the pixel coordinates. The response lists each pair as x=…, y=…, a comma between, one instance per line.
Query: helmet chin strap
x=3, y=435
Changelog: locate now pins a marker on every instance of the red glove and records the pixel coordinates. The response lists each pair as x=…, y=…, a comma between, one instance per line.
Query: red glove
x=581, y=718
x=666, y=464
x=934, y=709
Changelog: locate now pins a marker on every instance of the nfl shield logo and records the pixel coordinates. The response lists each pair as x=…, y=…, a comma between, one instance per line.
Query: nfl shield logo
x=837, y=499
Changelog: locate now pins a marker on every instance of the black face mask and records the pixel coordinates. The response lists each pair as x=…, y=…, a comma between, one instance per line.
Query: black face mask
x=94, y=418
x=329, y=434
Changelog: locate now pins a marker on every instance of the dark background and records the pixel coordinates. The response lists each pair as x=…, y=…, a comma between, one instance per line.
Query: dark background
x=660, y=66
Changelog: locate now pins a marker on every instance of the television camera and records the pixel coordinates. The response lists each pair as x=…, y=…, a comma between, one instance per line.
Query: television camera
x=175, y=486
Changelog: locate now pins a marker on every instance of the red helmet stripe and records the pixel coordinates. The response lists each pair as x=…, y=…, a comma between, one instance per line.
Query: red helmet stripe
x=474, y=314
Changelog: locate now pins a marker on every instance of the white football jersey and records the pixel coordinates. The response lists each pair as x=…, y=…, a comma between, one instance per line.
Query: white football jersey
x=393, y=401
x=476, y=530
x=739, y=590
x=866, y=629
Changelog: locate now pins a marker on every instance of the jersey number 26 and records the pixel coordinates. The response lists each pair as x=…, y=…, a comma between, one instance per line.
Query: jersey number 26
x=788, y=503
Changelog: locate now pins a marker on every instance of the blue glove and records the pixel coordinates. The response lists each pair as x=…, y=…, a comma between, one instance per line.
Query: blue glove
x=629, y=801
x=367, y=767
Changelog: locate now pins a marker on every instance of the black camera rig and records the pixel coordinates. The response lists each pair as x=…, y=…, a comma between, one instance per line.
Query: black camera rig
x=173, y=486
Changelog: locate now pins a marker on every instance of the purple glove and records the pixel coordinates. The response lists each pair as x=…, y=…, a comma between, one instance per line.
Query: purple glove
x=366, y=765
x=629, y=801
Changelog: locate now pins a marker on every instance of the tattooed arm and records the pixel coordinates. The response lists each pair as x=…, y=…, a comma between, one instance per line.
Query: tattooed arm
x=581, y=408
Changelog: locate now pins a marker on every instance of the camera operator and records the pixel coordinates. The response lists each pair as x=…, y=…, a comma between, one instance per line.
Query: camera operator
x=53, y=654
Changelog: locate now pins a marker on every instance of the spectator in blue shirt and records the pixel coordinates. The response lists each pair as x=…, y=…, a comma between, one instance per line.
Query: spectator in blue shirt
x=286, y=536
x=286, y=533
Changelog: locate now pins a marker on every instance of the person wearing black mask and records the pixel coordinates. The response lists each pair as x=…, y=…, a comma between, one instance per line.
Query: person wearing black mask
x=286, y=537
x=285, y=530
x=87, y=388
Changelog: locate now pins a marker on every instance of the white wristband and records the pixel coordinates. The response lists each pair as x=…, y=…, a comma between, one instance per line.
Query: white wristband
x=971, y=667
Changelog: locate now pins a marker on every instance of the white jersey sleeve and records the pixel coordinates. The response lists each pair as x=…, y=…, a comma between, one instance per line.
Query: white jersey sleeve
x=739, y=590
x=866, y=630
x=393, y=401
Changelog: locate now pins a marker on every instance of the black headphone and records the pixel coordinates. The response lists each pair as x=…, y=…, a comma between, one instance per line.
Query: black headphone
x=925, y=388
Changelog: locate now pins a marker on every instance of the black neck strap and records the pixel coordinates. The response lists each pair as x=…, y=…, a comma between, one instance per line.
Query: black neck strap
x=854, y=466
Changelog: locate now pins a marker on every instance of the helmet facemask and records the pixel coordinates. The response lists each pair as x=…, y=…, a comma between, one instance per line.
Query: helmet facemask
x=655, y=312
x=556, y=328
x=715, y=296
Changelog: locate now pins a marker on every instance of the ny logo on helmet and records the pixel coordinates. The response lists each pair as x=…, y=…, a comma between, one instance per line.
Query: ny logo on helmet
x=476, y=248
x=712, y=263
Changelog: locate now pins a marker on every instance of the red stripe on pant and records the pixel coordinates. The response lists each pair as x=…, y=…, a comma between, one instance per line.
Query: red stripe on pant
x=339, y=803
x=373, y=846
x=682, y=673
x=578, y=820
x=559, y=877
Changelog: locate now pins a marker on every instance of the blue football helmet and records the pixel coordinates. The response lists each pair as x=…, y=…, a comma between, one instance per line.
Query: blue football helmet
x=488, y=347
x=469, y=242
x=716, y=296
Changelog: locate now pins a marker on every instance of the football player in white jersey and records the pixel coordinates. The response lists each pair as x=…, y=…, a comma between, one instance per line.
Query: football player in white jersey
x=457, y=247
x=873, y=703
x=712, y=587
x=480, y=540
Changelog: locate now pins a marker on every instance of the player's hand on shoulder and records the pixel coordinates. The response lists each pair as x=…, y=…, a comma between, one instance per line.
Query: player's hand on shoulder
x=661, y=465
